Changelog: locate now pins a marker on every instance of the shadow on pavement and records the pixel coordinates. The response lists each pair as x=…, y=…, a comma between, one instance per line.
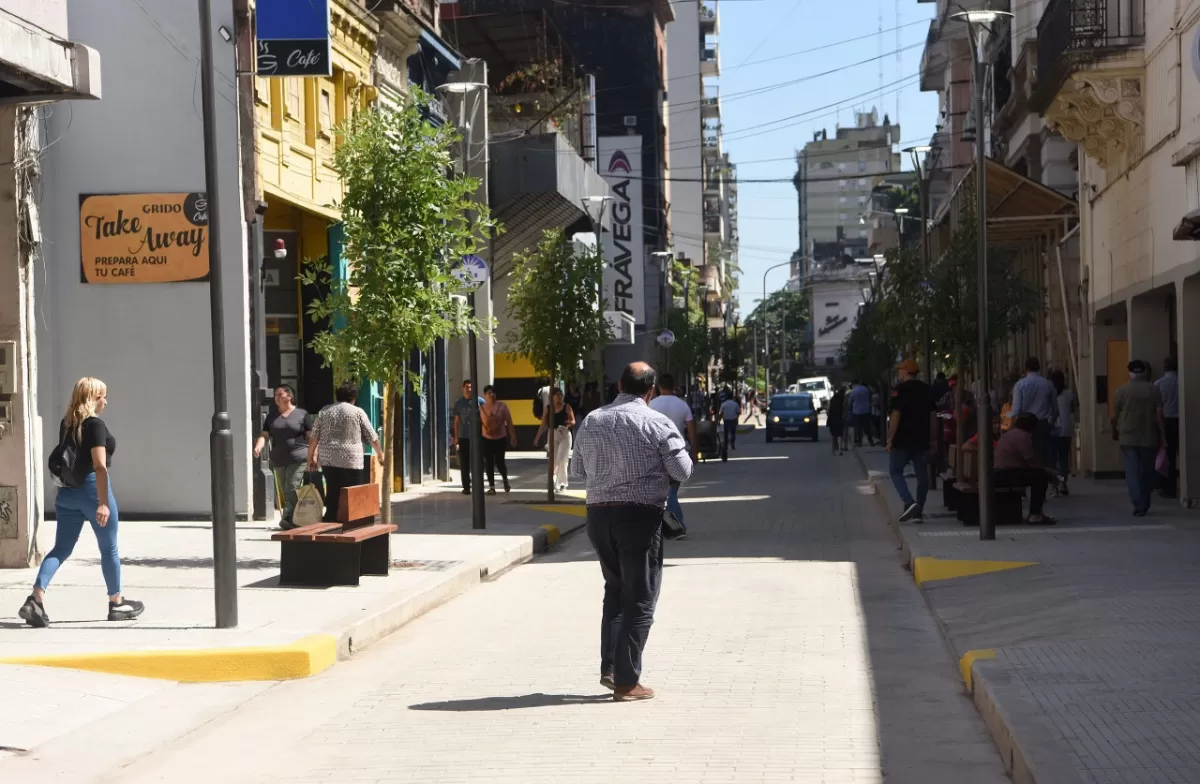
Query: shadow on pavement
x=538, y=700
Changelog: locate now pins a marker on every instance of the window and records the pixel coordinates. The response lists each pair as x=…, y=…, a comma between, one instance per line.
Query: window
x=862, y=166
x=862, y=233
x=841, y=167
x=326, y=110
x=831, y=304
x=1191, y=172
x=841, y=183
x=862, y=201
x=293, y=105
x=842, y=200
x=863, y=182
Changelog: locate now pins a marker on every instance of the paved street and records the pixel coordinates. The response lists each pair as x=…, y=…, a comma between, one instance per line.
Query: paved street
x=790, y=646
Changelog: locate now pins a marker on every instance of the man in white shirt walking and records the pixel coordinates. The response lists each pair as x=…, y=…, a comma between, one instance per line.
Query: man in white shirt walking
x=679, y=412
x=730, y=411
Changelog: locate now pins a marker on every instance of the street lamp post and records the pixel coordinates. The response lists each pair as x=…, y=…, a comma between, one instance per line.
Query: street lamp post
x=979, y=25
x=478, y=508
x=220, y=439
x=766, y=335
x=918, y=152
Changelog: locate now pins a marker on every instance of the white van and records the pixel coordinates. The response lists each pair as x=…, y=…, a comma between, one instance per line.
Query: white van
x=820, y=387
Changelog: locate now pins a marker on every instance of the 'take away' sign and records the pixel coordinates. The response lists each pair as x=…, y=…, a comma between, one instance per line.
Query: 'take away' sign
x=293, y=38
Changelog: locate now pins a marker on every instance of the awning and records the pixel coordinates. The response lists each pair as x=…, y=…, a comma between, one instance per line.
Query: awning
x=538, y=182
x=1020, y=210
x=36, y=66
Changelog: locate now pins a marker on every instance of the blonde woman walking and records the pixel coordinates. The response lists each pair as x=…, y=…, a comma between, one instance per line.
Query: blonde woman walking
x=91, y=498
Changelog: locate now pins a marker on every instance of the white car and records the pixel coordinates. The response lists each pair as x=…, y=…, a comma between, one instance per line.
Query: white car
x=820, y=387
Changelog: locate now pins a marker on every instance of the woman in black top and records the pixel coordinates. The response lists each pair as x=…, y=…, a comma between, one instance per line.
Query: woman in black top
x=93, y=500
x=835, y=418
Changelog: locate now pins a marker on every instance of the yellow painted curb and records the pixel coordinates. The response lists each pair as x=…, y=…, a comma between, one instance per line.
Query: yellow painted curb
x=927, y=569
x=204, y=665
x=574, y=510
x=964, y=664
x=552, y=534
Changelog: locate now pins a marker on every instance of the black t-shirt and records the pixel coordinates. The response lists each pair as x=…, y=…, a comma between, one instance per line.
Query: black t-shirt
x=94, y=433
x=289, y=436
x=914, y=401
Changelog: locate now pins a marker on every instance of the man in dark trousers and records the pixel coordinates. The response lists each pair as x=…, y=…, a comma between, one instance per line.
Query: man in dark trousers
x=1137, y=424
x=910, y=432
x=626, y=454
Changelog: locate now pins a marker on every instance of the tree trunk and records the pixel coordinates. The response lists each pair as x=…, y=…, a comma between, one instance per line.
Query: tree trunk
x=550, y=443
x=389, y=454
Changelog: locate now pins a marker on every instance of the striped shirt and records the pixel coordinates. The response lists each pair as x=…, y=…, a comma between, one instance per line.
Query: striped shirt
x=626, y=452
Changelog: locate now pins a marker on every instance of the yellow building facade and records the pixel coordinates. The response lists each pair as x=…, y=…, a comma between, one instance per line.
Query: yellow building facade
x=295, y=118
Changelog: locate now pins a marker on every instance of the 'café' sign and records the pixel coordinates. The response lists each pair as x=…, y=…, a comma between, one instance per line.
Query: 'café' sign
x=143, y=237
x=293, y=38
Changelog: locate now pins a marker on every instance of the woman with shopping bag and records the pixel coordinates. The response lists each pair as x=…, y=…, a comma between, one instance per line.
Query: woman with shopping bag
x=337, y=446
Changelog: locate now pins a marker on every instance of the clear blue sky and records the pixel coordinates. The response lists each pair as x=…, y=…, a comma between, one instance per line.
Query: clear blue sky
x=754, y=30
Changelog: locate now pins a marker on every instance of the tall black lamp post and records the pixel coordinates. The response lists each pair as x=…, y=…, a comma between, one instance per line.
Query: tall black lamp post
x=220, y=439
x=981, y=24
x=918, y=154
x=478, y=509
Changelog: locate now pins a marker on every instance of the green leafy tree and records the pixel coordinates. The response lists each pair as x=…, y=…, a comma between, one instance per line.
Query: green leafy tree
x=406, y=221
x=556, y=303
x=784, y=316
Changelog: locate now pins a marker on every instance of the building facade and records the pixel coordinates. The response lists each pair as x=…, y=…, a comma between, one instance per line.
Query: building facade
x=144, y=326
x=40, y=66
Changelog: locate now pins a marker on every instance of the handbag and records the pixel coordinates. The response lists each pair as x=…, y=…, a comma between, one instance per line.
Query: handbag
x=1160, y=461
x=310, y=503
x=672, y=526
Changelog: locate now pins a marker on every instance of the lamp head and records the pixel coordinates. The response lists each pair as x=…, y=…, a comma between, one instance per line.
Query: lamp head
x=901, y=210
x=460, y=88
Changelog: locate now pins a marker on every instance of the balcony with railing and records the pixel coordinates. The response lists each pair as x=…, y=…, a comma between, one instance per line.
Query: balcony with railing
x=708, y=17
x=1091, y=74
x=710, y=104
x=710, y=59
x=711, y=141
x=1076, y=34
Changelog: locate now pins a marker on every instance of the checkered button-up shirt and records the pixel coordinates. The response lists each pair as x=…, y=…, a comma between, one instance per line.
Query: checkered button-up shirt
x=626, y=452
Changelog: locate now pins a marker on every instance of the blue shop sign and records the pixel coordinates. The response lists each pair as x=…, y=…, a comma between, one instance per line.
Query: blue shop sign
x=293, y=38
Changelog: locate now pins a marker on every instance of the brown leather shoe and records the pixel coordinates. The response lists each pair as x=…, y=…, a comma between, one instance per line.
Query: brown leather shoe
x=632, y=693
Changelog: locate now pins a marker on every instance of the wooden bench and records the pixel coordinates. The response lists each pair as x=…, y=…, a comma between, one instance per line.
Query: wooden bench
x=340, y=553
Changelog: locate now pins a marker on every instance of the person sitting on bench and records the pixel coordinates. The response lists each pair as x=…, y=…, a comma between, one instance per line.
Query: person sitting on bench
x=1016, y=464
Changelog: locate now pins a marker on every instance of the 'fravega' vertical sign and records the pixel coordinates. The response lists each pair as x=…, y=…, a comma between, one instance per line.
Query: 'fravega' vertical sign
x=620, y=159
x=293, y=38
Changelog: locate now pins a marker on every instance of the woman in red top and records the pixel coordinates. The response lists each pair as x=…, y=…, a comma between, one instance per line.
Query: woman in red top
x=498, y=433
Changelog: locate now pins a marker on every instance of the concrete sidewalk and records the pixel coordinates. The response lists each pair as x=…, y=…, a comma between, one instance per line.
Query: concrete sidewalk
x=282, y=632
x=1079, y=642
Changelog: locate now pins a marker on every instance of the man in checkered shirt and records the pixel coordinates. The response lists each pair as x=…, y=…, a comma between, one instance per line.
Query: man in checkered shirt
x=626, y=453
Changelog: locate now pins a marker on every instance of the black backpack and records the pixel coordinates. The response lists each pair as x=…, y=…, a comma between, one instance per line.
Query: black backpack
x=65, y=468
x=539, y=406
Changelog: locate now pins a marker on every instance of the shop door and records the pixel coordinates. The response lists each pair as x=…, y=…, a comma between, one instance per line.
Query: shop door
x=281, y=298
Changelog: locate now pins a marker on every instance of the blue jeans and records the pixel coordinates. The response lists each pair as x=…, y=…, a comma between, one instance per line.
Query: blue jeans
x=1139, y=474
x=673, y=505
x=72, y=506
x=897, y=461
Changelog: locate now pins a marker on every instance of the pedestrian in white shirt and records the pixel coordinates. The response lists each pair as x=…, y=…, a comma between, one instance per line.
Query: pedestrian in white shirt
x=730, y=411
x=679, y=412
